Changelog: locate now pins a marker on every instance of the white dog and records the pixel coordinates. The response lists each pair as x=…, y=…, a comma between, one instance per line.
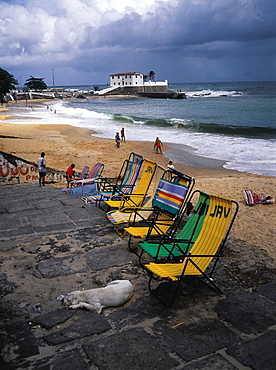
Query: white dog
x=116, y=293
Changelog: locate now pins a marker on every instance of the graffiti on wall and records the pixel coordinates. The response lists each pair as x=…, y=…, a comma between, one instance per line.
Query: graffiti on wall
x=16, y=170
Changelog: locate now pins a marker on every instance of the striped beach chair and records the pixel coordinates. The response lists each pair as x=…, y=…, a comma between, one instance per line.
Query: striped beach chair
x=93, y=174
x=81, y=177
x=123, y=184
x=168, y=205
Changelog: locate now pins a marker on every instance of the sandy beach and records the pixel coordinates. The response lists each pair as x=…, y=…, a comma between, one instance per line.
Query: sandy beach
x=63, y=145
x=52, y=244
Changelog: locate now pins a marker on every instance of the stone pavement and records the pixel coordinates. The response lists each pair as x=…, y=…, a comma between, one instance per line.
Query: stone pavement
x=51, y=244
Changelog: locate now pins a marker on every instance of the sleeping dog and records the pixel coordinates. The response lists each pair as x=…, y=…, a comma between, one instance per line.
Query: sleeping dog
x=116, y=293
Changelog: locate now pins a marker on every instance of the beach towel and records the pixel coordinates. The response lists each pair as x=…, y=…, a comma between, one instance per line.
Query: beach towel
x=252, y=198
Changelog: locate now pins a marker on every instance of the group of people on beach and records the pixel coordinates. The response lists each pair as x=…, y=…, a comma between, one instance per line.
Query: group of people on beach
x=157, y=145
x=70, y=172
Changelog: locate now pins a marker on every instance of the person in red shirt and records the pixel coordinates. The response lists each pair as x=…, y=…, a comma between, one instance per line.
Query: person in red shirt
x=70, y=174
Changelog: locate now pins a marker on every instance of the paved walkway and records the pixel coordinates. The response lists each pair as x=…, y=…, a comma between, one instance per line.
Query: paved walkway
x=51, y=244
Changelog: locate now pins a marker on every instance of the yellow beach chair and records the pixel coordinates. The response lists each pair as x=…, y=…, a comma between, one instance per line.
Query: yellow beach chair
x=136, y=198
x=206, y=249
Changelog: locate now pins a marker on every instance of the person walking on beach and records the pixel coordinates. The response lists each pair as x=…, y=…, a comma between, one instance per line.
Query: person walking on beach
x=157, y=145
x=123, y=138
x=117, y=140
x=41, y=164
x=70, y=174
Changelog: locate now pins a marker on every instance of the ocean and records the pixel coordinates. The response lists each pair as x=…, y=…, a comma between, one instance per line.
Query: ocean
x=233, y=124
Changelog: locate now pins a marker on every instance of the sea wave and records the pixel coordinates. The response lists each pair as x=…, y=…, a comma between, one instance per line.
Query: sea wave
x=158, y=123
x=258, y=167
x=208, y=93
x=175, y=123
x=122, y=119
x=244, y=131
x=211, y=128
x=81, y=112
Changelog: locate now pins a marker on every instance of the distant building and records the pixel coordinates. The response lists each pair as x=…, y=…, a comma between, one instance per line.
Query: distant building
x=133, y=83
x=127, y=79
x=132, y=79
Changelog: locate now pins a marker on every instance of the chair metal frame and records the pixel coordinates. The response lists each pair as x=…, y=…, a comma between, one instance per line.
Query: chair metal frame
x=168, y=248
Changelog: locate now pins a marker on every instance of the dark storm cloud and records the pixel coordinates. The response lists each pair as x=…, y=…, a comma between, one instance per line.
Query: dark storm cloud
x=209, y=39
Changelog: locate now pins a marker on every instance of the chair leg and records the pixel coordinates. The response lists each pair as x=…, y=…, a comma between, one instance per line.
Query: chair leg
x=140, y=258
x=130, y=248
x=129, y=242
x=208, y=278
x=211, y=284
x=120, y=231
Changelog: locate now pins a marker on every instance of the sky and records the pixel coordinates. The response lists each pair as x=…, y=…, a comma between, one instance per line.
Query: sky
x=82, y=42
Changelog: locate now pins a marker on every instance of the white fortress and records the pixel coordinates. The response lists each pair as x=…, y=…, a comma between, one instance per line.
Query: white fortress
x=133, y=83
x=133, y=79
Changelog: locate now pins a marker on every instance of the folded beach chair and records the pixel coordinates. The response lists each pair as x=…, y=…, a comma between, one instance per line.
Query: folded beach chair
x=207, y=248
x=126, y=216
x=94, y=173
x=136, y=198
x=168, y=205
x=252, y=199
x=168, y=250
x=124, y=184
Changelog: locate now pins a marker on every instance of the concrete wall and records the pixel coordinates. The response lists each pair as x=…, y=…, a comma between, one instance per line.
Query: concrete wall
x=157, y=83
x=16, y=170
x=140, y=89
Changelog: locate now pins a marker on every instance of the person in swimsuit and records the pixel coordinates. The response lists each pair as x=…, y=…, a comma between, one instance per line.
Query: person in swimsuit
x=123, y=138
x=117, y=140
x=157, y=146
